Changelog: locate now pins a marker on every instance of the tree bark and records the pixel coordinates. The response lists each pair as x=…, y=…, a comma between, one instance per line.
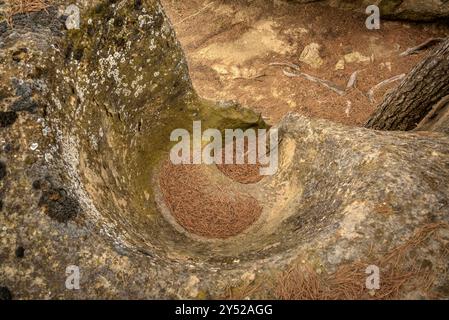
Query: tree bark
x=423, y=87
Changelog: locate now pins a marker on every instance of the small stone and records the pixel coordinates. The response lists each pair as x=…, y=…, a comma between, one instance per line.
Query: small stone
x=220, y=69
x=356, y=57
x=34, y=146
x=192, y=286
x=311, y=55
x=248, y=277
x=348, y=108
x=340, y=65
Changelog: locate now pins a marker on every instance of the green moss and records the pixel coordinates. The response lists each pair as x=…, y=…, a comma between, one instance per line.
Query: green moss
x=388, y=7
x=136, y=90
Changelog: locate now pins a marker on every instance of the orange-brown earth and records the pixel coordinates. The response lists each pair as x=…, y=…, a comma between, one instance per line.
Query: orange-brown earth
x=230, y=45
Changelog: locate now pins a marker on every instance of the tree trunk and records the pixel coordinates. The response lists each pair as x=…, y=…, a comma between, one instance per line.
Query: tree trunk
x=423, y=87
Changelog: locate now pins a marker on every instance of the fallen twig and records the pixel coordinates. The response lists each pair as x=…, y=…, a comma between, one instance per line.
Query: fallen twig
x=383, y=83
x=256, y=77
x=425, y=45
x=285, y=64
x=352, y=80
x=195, y=14
x=330, y=85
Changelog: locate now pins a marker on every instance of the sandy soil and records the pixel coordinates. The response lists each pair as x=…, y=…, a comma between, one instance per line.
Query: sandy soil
x=230, y=44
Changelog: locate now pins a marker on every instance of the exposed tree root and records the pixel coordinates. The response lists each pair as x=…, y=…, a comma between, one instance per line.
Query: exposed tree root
x=425, y=45
x=372, y=91
x=256, y=77
x=285, y=64
x=330, y=85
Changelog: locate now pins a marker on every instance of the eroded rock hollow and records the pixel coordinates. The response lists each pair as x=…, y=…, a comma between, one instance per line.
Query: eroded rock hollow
x=85, y=130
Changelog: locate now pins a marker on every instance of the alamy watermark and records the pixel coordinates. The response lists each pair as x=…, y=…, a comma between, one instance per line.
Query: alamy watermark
x=73, y=17
x=238, y=147
x=373, y=21
x=72, y=281
x=373, y=279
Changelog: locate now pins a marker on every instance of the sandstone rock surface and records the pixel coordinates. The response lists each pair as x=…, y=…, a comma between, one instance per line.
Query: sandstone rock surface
x=100, y=103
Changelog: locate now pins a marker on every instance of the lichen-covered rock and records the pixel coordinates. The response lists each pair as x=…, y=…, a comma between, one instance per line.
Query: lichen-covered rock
x=82, y=164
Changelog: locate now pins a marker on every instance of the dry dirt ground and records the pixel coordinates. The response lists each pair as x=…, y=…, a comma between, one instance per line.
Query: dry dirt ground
x=230, y=45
